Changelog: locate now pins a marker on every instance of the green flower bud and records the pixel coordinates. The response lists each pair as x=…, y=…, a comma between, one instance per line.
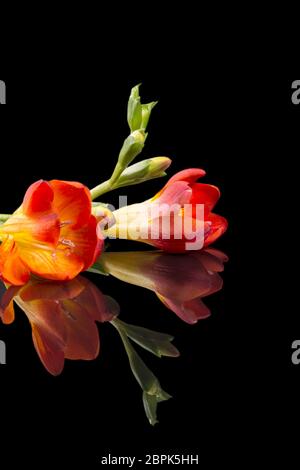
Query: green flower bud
x=138, y=114
x=138, y=117
x=134, y=110
x=144, y=171
x=132, y=147
x=146, y=113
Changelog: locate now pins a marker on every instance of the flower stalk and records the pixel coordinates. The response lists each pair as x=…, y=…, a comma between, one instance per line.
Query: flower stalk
x=138, y=116
x=140, y=172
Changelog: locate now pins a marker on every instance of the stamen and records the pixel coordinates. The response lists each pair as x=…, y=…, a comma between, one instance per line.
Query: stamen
x=66, y=242
x=65, y=222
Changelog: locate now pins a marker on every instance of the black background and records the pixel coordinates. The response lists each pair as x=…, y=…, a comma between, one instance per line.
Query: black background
x=234, y=382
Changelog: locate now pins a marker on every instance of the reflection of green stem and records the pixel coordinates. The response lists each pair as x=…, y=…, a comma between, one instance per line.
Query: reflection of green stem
x=128, y=347
x=121, y=332
x=4, y=217
x=152, y=391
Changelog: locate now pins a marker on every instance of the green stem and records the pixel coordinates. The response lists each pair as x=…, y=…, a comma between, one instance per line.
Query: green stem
x=101, y=189
x=4, y=217
x=108, y=185
x=116, y=174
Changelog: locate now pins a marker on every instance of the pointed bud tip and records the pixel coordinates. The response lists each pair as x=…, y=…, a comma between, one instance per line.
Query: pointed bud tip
x=160, y=163
x=135, y=91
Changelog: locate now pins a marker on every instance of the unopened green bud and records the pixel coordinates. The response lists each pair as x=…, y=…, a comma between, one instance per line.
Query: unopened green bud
x=134, y=110
x=158, y=165
x=144, y=171
x=146, y=113
x=138, y=114
x=132, y=146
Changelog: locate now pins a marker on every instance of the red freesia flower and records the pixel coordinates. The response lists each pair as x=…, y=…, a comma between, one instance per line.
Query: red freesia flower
x=62, y=316
x=53, y=234
x=180, y=229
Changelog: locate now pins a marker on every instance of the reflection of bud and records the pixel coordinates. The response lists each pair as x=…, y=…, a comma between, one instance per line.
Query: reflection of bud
x=152, y=390
x=144, y=171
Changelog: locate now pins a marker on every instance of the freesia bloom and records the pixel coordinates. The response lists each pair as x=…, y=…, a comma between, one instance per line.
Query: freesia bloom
x=180, y=281
x=53, y=234
x=178, y=219
x=62, y=316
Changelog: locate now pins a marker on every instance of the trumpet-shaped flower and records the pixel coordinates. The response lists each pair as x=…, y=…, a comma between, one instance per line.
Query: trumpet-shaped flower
x=53, y=234
x=178, y=219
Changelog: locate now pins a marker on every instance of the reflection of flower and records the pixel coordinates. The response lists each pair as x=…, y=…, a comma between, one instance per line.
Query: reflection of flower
x=180, y=281
x=53, y=234
x=174, y=210
x=62, y=317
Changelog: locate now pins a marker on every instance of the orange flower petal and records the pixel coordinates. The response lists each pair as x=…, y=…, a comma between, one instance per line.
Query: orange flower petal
x=47, y=229
x=38, y=198
x=86, y=242
x=12, y=268
x=31, y=230
x=72, y=202
x=58, y=264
